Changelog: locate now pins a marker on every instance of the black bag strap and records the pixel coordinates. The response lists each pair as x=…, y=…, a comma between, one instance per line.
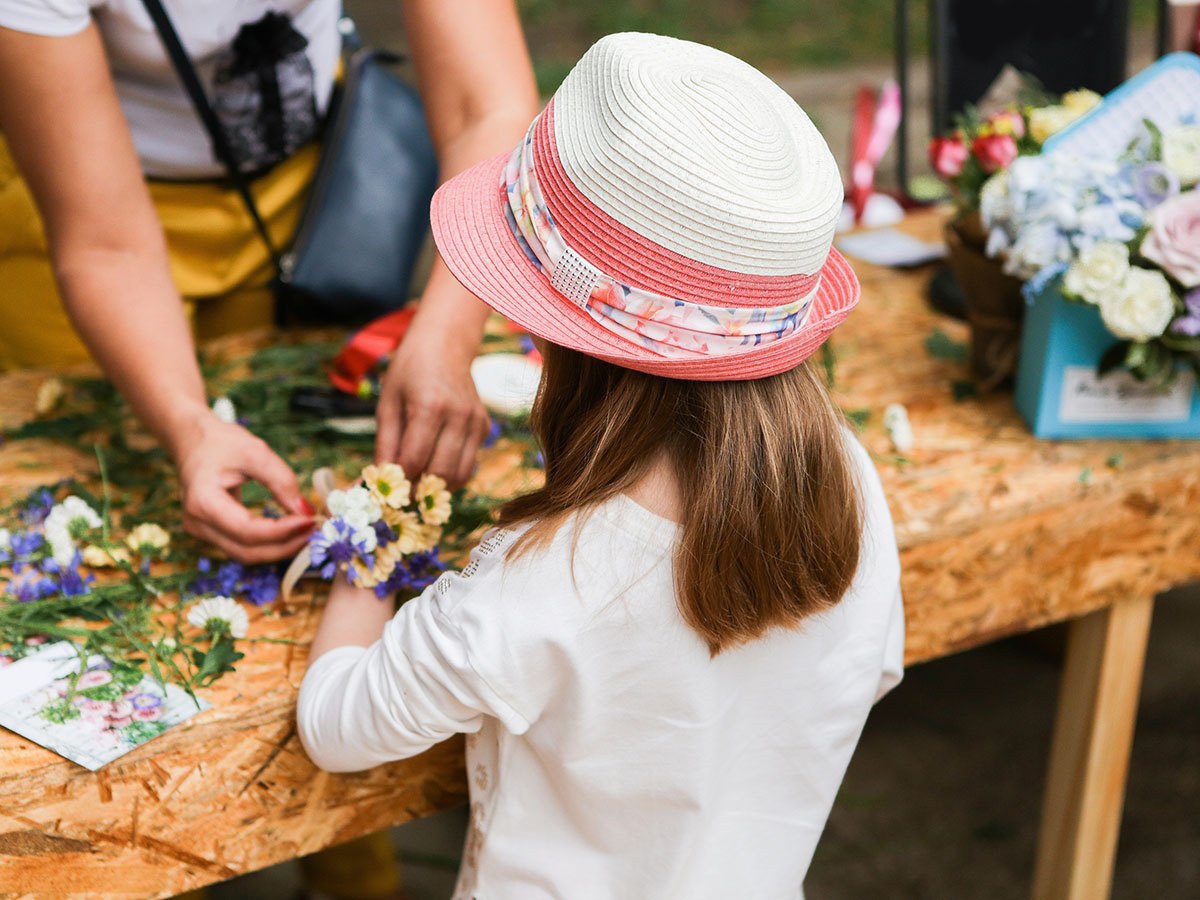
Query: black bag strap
x=221, y=148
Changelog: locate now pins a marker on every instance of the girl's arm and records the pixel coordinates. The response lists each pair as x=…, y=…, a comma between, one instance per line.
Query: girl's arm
x=60, y=115
x=477, y=85
x=353, y=617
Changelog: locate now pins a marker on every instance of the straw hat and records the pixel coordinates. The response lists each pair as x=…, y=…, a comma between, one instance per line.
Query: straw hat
x=671, y=210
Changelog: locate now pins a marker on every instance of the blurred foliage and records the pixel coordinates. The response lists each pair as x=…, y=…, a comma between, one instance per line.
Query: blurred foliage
x=773, y=35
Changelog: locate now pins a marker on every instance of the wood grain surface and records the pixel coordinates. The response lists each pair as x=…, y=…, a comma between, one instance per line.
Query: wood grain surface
x=999, y=534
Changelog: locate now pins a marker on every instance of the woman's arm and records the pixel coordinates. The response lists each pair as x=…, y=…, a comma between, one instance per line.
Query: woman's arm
x=60, y=115
x=477, y=84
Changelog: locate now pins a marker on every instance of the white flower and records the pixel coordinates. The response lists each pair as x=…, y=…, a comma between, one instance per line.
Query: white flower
x=356, y=507
x=62, y=545
x=224, y=410
x=74, y=513
x=1140, y=308
x=5, y=539
x=49, y=395
x=148, y=538
x=1181, y=153
x=1098, y=270
x=895, y=420
x=993, y=199
x=67, y=521
x=218, y=614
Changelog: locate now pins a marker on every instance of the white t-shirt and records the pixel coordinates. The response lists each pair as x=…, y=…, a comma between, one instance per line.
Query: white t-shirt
x=608, y=755
x=269, y=105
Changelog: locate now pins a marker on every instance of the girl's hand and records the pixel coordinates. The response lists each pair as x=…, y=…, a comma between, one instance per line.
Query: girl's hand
x=215, y=460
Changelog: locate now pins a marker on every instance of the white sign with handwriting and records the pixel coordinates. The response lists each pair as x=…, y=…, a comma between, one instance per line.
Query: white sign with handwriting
x=1119, y=397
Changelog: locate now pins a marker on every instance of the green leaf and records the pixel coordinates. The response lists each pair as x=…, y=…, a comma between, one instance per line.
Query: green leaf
x=941, y=346
x=219, y=659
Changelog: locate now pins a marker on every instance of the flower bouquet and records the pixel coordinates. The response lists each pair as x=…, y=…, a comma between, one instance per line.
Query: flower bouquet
x=382, y=533
x=977, y=148
x=1124, y=233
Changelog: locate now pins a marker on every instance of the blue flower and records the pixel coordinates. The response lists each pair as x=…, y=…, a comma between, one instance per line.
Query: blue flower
x=66, y=580
x=261, y=585
x=228, y=577
x=413, y=573
x=37, y=506
x=32, y=588
x=25, y=544
x=493, y=434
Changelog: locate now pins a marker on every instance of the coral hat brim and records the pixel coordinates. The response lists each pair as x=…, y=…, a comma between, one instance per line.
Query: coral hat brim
x=476, y=243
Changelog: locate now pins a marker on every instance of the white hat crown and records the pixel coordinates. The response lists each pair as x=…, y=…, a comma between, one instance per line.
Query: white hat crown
x=699, y=152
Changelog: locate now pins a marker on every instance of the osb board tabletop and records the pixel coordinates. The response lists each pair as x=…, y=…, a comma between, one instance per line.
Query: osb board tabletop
x=999, y=534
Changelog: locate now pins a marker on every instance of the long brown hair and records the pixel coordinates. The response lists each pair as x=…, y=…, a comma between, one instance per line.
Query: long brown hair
x=772, y=516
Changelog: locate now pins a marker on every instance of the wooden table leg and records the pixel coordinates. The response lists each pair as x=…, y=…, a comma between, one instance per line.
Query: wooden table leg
x=1089, y=756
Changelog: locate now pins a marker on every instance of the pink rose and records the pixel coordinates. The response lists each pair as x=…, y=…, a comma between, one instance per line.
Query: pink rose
x=1173, y=241
x=947, y=155
x=93, y=679
x=994, y=151
x=148, y=715
x=120, y=721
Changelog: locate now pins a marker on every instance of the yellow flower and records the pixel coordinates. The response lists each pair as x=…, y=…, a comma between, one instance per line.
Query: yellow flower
x=1080, y=101
x=1046, y=120
x=388, y=485
x=433, y=500
x=49, y=395
x=148, y=539
x=412, y=535
x=99, y=558
x=386, y=558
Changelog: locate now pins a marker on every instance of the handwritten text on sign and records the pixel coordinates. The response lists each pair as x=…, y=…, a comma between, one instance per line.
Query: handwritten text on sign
x=1119, y=397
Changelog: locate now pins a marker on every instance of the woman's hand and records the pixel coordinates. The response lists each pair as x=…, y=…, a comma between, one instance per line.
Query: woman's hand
x=477, y=85
x=215, y=460
x=430, y=417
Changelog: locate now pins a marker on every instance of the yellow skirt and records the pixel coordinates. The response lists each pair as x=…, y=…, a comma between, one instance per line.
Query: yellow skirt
x=218, y=261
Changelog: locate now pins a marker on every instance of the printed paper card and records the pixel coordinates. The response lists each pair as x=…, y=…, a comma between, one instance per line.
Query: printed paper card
x=111, y=710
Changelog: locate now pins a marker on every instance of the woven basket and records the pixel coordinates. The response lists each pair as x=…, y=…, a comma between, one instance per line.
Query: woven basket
x=994, y=303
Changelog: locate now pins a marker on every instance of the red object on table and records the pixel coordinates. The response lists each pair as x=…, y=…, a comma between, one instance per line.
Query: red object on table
x=367, y=347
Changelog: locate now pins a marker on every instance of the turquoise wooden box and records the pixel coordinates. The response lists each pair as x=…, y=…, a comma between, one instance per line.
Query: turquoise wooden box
x=1058, y=392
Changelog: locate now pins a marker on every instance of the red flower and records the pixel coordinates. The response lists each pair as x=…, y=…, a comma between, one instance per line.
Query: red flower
x=947, y=155
x=994, y=151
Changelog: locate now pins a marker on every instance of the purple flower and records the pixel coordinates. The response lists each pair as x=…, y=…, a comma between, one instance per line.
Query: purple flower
x=66, y=580
x=33, y=588
x=526, y=342
x=334, y=544
x=414, y=573
x=25, y=544
x=384, y=534
x=493, y=434
x=37, y=506
x=1153, y=183
x=228, y=577
x=261, y=585
x=1189, y=323
x=145, y=701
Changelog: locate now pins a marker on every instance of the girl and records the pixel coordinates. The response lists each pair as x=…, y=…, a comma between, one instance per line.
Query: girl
x=663, y=658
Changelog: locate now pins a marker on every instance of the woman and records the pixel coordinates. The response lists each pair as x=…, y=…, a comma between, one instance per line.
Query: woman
x=89, y=105
x=142, y=244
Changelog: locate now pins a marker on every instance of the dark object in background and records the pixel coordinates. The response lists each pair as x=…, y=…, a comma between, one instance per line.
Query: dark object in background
x=1066, y=44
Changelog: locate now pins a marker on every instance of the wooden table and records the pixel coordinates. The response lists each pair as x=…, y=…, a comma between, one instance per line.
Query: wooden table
x=999, y=534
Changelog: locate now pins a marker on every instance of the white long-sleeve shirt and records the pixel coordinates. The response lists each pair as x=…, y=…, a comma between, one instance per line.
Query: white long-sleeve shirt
x=609, y=756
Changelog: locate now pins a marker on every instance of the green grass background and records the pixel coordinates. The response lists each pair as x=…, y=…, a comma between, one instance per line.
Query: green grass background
x=773, y=35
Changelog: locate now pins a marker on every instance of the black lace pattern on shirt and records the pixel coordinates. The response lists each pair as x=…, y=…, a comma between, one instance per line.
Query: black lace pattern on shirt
x=264, y=92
